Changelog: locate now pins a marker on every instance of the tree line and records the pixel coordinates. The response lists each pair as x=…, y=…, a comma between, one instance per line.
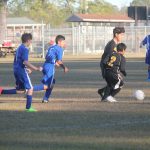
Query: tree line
x=55, y=12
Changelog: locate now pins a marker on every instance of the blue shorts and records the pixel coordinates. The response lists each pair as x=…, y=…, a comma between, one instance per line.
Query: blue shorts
x=48, y=74
x=22, y=79
x=147, y=58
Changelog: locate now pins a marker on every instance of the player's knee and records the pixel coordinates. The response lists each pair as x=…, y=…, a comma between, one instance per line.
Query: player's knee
x=51, y=86
x=45, y=87
x=121, y=84
x=30, y=91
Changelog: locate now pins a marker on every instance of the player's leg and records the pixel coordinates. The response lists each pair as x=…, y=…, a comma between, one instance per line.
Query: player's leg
x=48, y=80
x=40, y=87
x=148, y=76
x=106, y=93
x=8, y=91
x=48, y=92
x=107, y=77
x=102, y=69
x=117, y=84
x=110, y=82
x=115, y=92
x=101, y=91
x=12, y=91
x=147, y=61
x=28, y=86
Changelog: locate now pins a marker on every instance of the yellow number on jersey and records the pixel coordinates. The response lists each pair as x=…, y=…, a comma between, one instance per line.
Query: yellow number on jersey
x=112, y=60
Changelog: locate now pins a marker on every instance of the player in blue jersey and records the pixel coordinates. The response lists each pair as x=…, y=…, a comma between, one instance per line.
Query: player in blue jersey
x=53, y=57
x=146, y=42
x=20, y=66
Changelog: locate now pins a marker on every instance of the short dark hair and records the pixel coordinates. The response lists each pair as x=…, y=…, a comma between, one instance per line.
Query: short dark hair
x=58, y=38
x=25, y=37
x=118, y=30
x=121, y=47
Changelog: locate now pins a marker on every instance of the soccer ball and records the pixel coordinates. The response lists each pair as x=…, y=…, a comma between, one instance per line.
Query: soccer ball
x=139, y=94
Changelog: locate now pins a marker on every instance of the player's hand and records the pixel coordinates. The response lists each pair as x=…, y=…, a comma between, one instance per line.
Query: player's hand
x=141, y=45
x=66, y=69
x=40, y=68
x=57, y=64
x=29, y=71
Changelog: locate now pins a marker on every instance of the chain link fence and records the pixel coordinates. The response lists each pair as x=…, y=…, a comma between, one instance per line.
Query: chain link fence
x=82, y=39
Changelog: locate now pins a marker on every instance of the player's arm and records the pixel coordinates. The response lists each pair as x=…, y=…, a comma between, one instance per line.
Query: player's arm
x=122, y=66
x=26, y=62
x=110, y=60
x=109, y=48
x=32, y=67
x=144, y=42
x=29, y=70
x=60, y=63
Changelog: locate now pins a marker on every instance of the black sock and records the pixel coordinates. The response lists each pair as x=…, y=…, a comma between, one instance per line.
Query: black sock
x=114, y=92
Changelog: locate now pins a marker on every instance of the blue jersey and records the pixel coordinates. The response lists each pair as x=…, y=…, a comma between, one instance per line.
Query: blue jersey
x=21, y=56
x=54, y=54
x=22, y=78
x=146, y=42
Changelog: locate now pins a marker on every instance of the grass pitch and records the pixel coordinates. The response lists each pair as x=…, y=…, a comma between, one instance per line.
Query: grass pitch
x=75, y=119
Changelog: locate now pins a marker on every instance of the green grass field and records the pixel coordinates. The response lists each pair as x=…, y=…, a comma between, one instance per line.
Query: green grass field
x=75, y=119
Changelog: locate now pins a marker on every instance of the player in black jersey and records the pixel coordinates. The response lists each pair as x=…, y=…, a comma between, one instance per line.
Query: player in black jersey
x=109, y=49
x=114, y=66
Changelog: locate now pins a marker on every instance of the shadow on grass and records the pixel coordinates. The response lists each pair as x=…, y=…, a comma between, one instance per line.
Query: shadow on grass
x=73, y=130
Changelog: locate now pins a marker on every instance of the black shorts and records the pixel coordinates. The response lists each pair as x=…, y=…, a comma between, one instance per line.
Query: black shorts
x=113, y=80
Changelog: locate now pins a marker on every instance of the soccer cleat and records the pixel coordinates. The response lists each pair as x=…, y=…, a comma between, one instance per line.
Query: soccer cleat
x=113, y=100
x=110, y=99
x=1, y=89
x=31, y=110
x=44, y=101
x=100, y=92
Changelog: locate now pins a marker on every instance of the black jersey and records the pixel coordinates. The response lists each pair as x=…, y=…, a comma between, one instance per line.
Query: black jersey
x=115, y=63
x=109, y=48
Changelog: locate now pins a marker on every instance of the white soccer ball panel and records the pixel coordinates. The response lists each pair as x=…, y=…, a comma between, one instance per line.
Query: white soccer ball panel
x=139, y=95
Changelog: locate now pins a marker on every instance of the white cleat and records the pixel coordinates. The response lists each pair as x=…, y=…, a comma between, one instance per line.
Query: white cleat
x=111, y=99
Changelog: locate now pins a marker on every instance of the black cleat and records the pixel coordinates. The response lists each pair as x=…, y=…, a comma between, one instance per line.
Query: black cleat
x=100, y=92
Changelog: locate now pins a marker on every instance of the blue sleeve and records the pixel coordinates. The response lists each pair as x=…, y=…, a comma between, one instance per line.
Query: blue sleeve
x=25, y=54
x=59, y=54
x=144, y=41
x=49, y=56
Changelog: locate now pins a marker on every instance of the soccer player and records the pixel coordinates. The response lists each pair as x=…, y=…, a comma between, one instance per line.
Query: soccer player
x=110, y=47
x=53, y=57
x=20, y=66
x=114, y=65
x=146, y=42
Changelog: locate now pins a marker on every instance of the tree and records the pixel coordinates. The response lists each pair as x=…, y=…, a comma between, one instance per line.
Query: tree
x=102, y=7
x=55, y=12
x=46, y=12
x=140, y=3
x=3, y=4
x=18, y=8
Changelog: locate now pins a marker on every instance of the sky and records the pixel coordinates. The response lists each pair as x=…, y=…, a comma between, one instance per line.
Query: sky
x=120, y=3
